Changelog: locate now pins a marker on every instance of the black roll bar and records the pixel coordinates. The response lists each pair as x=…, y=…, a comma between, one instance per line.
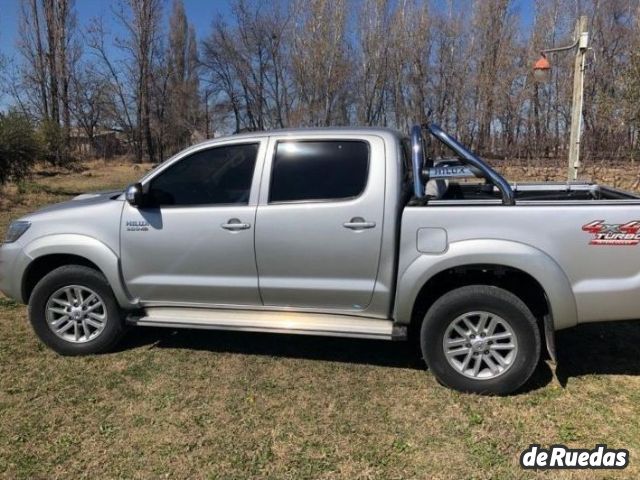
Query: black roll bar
x=466, y=157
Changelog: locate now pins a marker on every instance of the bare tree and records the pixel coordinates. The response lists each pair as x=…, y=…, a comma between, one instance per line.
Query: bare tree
x=46, y=45
x=320, y=61
x=121, y=83
x=247, y=63
x=373, y=69
x=449, y=74
x=182, y=79
x=34, y=69
x=631, y=95
x=90, y=100
x=270, y=64
x=141, y=20
x=219, y=59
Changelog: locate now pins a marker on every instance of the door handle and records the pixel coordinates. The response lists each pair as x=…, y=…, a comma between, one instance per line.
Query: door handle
x=234, y=225
x=358, y=223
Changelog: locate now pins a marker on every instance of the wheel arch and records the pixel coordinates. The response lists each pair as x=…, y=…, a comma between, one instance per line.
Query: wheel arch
x=41, y=266
x=511, y=265
x=50, y=252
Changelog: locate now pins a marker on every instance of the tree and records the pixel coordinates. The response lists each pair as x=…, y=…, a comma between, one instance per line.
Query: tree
x=183, y=81
x=273, y=64
x=34, y=72
x=614, y=34
x=217, y=59
x=46, y=36
x=141, y=20
x=631, y=95
x=120, y=81
x=548, y=114
x=90, y=100
x=373, y=70
x=320, y=63
x=448, y=74
x=492, y=28
x=247, y=64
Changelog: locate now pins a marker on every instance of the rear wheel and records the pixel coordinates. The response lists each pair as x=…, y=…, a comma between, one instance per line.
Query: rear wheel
x=480, y=339
x=73, y=311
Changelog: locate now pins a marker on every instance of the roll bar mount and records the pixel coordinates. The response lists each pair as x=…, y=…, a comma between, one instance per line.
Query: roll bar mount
x=475, y=166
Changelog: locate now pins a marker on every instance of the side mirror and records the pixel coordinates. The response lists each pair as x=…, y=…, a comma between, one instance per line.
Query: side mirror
x=134, y=195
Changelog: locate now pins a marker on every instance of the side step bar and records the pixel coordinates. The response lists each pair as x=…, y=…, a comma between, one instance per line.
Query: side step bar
x=270, y=321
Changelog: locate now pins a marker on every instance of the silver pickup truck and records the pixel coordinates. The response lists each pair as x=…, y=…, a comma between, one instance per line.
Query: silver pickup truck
x=353, y=232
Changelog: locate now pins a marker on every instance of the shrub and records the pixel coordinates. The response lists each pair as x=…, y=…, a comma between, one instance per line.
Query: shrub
x=20, y=147
x=56, y=151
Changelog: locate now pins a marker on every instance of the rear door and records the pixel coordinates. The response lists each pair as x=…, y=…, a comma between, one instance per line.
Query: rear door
x=319, y=222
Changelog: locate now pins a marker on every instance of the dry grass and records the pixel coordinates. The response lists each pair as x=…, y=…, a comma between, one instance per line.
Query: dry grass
x=193, y=404
x=49, y=185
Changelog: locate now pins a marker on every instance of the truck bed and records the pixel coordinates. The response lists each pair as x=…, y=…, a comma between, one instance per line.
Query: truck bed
x=583, y=237
x=538, y=191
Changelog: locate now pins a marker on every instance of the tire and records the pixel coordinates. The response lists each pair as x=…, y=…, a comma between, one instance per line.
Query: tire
x=490, y=321
x=99, y=325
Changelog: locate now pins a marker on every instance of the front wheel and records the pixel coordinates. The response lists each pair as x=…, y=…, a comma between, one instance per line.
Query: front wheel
x=73, y=311
x=480, y=339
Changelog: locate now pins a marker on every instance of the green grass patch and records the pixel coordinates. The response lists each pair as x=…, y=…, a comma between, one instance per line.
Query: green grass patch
x=8, y=303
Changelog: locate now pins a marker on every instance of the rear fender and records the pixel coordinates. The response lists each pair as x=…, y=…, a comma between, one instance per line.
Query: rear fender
x=516, y=255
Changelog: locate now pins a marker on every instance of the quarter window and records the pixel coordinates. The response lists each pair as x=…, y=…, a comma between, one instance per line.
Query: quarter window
x=319, y=170
x=216, y=176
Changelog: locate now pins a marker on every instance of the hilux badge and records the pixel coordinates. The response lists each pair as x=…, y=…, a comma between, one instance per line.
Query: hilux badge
x=137, y=226
x=613, y=233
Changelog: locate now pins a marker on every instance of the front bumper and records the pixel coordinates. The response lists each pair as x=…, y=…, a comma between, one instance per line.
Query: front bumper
x=13, y=263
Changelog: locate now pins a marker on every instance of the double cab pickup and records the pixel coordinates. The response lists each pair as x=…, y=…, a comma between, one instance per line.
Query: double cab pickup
x=351, y=232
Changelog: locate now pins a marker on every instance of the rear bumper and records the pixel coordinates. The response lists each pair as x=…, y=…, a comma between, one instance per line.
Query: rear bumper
x=13, y=263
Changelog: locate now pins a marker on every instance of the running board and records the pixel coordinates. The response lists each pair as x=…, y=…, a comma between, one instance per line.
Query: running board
x=270, y=321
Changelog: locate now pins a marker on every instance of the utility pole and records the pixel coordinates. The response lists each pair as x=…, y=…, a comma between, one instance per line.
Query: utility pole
x=542, y=69
x=578, y=90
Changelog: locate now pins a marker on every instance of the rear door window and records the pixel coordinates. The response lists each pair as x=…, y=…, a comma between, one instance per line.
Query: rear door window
x=325, y=170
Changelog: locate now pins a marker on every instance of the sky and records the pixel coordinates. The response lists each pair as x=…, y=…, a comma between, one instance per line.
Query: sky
x=199, y=12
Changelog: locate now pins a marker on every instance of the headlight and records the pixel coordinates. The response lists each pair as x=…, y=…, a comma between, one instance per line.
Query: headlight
x=16, y=230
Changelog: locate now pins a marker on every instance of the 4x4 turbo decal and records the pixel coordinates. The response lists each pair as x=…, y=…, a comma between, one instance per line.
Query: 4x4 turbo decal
x=613, y=233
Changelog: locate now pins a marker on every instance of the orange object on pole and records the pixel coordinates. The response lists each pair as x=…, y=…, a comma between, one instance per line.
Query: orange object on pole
x=542, y=69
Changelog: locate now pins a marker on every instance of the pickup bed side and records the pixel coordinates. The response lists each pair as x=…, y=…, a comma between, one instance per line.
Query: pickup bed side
x=423, y=264
x=584, y=281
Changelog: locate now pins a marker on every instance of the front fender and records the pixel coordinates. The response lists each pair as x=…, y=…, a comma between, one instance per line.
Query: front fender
x=83, y=246
x=490, y=252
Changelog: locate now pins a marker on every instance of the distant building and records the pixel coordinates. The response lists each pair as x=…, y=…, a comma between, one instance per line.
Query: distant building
x=104, y=144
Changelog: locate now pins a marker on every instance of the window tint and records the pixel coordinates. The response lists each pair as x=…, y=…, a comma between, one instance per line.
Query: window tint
x=323, y=170
x=220, y=175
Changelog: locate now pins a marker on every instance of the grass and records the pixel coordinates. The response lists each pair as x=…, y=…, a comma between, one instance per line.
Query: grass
x=194, y=404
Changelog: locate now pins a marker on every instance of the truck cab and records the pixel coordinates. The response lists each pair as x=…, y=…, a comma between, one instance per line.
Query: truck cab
x=292, y=220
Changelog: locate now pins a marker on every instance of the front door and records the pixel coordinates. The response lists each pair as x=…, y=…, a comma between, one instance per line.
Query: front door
x=319, y=223
x=194, y=244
